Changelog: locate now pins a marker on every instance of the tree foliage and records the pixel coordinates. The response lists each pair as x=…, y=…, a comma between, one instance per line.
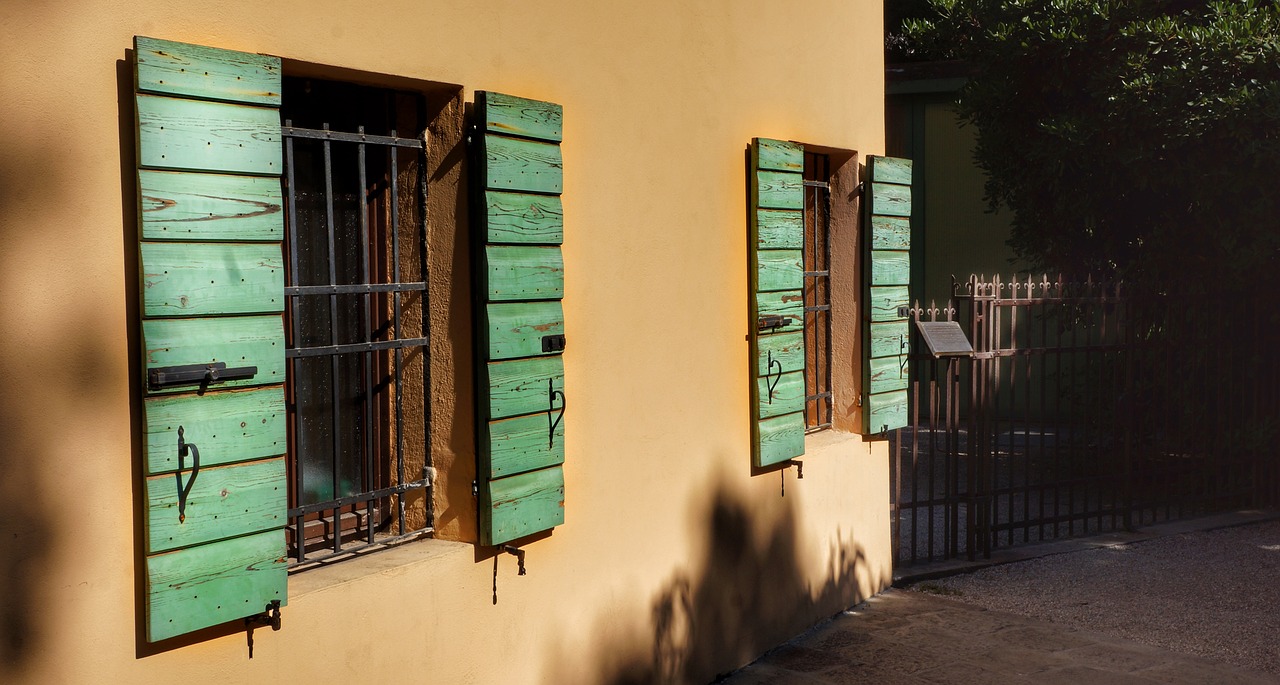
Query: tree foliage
x=1137, y=136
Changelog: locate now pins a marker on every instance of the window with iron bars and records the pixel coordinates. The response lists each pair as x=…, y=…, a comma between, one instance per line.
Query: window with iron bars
x=817, y=291
x=356, y=324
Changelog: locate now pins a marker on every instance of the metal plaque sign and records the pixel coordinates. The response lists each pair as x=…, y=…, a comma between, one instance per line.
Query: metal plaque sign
x=944, y=338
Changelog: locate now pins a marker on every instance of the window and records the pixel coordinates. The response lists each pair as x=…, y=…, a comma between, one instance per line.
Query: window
x=354, y=199
x=817, y=291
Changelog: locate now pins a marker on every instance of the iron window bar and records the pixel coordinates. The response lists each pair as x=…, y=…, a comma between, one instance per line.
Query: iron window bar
x=346, y=506
x=817, y=292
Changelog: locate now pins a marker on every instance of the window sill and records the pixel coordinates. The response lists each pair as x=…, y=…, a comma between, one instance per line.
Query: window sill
x=389, y=561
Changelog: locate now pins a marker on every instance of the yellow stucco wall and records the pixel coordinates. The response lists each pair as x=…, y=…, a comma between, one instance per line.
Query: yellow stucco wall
x=675, y=561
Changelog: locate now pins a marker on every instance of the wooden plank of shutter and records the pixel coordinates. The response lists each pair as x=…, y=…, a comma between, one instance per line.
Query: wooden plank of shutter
x=776, y=236
x=212, y=288
x=886, y=293
x=521, y=394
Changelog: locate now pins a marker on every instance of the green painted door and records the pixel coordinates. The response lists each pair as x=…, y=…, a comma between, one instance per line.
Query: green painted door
x=886, y=277
x=212, y=285
x=520, y=332
x=776, y=272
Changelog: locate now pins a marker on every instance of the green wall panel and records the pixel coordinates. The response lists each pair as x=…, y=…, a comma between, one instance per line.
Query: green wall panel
x=521, y=386
x=228, y=426
x=779, y=229
x=780, y=439
x=523, y=218
x=788, y=394
x=516, y=329
x=195, y=135
x=196, y=71
x=779, y=190
x=214, y=207
x=223, y=502
x=779, y=270
x=518, y=116
x=519, y=272
x=787, y=349
x=523, y=504
x=197, y=279
x=522, y=165
x=237, y=340
x=779, y=155
x=525, y=443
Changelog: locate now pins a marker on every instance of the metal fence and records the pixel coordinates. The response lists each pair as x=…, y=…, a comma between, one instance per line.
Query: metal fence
x=1084, y=409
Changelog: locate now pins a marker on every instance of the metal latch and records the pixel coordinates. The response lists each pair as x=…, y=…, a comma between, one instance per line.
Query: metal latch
x=269, y=617
x=553, y=343
x=772, y=321
x=197, y=374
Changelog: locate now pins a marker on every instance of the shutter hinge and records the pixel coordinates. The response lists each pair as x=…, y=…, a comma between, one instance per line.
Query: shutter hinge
x=475, y=488
x=518, y=554
x=269, y=617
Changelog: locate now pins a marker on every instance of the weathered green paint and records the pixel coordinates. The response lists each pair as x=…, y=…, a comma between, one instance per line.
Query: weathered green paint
x=525, y=443
x=887, y=411
x=516, y=329
x=779, y=190
x=890, y=233
x=788, y=394
x=891, y=170
x=197, y=279
x=788, y=303
x=521, y=117
x=524, y=386
x=888, y=373
x=195, y=135
x=890, y=267
x=523, y=218
x=779, y=155
x=227, y=425
x=237, y=340
x=779, y=439
x=779, y=270
x=522, y=165
x=206, y=585
x=518, y=272
x=190, y=206
x=779, y=229
x=890, y=339
x=196, y=71
x=889, y=199
x=785, y=348
x=523, y=504
x=224, y=502
x=885, y=301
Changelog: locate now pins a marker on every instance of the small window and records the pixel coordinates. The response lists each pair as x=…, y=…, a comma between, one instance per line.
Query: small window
x=817, y=291
x=354, y=190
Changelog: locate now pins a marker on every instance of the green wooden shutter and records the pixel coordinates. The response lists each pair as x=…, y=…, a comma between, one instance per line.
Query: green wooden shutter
x=212, y=288
x=777, y=303
x=521, y=326
x=886, y=277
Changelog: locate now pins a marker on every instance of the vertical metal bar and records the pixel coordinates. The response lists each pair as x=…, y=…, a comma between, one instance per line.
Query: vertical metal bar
x=1043, y=407
x=423, y=175
x=298, y=448
x=368, y=357
x=333, y=338
x=395, y=257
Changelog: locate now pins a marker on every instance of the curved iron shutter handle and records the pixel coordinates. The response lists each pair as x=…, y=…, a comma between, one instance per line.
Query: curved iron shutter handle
x=185, y=491
x=551, y=406
x=769, y=374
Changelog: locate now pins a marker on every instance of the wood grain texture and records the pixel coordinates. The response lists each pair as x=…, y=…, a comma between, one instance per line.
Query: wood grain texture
x=788, y=394
x=521, y=386
x=524, y=443
x=237, y=340
x=224, y=502
x=890, y=170
x=788, y=303
x=887, y=373
x=196, y=135
x=888, y=199
x=518, y=272
x=522, y=165
x=197, y=279
x=886, y=411
x=779, y=229
x=779, y=438
x=197, y=71
x=523, y=504
x=190, y=206
x=885, y=301
x=523, y=218
x=779, y=155
x=785, y=348
x=228, y=426
x=890, y=267
x=517, y=116
x=516, y=329
x=890, y=233
x=778, y=190
x=206, y=585
x=889, y=339
x=779, y=270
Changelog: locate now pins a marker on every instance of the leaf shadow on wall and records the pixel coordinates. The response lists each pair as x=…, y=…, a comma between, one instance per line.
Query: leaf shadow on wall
x=750, y=593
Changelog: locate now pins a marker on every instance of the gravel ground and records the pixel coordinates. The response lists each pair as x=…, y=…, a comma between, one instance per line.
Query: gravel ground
x=1214, y=594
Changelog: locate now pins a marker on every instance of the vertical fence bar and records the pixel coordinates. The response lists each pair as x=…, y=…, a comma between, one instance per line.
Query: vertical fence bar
x=300, y=521
x=367, y=357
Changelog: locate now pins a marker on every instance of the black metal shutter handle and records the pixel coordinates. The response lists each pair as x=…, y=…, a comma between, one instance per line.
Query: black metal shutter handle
x=769, y=374
x=185, y=491
x=551, y=406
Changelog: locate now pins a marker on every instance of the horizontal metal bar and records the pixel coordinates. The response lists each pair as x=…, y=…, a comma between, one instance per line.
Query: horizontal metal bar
x=816, y=184
x=354, y=347
x=1048, y=350
x=350, y=549
x=819, y=396
x=815, y=274
x=295, y=132
x=360, y=498
x=818, y=308
x=359, y=289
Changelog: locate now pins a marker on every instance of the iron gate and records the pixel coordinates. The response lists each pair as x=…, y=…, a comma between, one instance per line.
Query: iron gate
x=1083, y=409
